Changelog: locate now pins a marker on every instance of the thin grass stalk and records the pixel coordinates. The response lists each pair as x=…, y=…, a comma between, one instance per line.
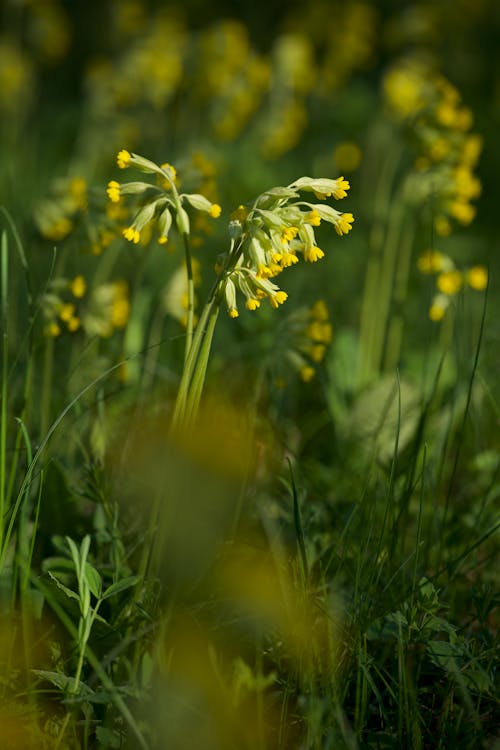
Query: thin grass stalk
x=461, y=430
x=396, y=323
x=4, y=306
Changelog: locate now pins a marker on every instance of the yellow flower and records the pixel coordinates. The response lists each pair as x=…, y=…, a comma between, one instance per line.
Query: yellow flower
x=319, y=310
x=317, y=352
x=123, y=159
x=312, y=254
x=343, y=224
x=442, y=226
x=313, y=218
x=73, y=324
x=233, y=313
x=171, y=170
x=66, y=312
x=288, y=234
x=132, y=235
x=240, y=214
x=278, y=299
x=342, y=187
x=438, y=307
x=252, y=303
x=307, y=373
x=53, y=330
x=430, y=262
x=120, y=310
x=462, y=211
x=449, y=282
x=215, y=210
x=113, y=191
x=347, y=156
x=78, y=287
x=477, y=278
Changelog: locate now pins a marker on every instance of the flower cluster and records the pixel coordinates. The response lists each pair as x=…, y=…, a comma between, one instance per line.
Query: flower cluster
x=273, y=233
x=163, y=203
x=68, y=306
x=55, y=216
x=447, y=152
x=311, y=334
x=59, y=305
x=449, y=280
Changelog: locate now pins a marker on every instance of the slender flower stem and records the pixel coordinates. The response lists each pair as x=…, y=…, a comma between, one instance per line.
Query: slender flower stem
x=190, y=292
x=201, y=368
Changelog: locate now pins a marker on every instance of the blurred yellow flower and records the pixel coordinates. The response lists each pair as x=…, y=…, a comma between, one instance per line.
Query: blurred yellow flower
x=477, y=278
x=430, y=262
x=449, y=282
x=78, y=287
x=347, y=156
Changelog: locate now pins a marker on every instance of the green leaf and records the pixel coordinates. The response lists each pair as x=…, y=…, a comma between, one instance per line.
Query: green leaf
x=108, y=738
x=65, y=683
x=120, y=586
x=93, y=579
x=62, y=587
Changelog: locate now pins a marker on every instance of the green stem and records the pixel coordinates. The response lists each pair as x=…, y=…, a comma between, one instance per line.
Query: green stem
x=180, y=403
x=199, y=374
x=3, y=413
x=369, y=322
x=190, y=292
x=396, y=324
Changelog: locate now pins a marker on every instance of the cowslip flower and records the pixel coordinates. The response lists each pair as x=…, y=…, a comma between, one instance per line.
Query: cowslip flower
x=449, y=282
x=123, y=159
x=78, y=287
x=132, y=235
x=477, y=278
x=113, y=191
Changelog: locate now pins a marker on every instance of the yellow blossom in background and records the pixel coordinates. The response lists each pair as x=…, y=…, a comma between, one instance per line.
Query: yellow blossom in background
x=78, y=287
x=121, y=305
x=307, y=373
x=477, y=278
x=404, y=88
x=438, y=307
x=462, y=211
x=73, y=323
x=347, y=156
x=449, y=282
x=430, y=262
x=66, y=311
x=319, y=310
x=53, y=330
x=442, y=226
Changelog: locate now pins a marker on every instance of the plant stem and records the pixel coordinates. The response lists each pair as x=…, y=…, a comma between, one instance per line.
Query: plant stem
x=190, y=293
